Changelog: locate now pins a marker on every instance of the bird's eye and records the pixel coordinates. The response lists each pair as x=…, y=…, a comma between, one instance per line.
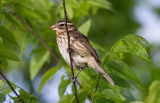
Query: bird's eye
x=61, y=24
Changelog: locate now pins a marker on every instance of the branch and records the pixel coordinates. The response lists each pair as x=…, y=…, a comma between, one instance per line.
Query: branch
x=96, y=87
x=67, y=98
x=73, y=79
x=9, y=84
x=35, y=34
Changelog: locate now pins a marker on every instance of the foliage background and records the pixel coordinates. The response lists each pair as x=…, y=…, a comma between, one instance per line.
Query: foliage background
x=104, y=22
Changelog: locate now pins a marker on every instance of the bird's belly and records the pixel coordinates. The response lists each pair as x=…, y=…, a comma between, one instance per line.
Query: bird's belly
x=78, y=60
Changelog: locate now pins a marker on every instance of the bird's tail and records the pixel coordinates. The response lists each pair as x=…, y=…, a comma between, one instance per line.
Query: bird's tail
x=106, y=75
x=97, y=67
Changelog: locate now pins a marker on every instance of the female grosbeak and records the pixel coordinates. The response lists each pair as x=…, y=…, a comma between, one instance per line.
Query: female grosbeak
x=83, y=54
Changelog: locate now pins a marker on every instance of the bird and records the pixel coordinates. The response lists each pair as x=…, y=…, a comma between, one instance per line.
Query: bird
x=82, y=53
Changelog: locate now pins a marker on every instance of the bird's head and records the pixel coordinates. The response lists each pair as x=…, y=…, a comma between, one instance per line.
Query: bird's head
x=60, y=26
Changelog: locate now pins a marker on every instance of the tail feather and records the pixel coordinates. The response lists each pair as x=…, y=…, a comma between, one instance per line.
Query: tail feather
x=97, y=67
x=106, y=75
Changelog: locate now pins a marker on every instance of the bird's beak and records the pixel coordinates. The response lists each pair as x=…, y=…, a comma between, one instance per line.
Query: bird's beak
x=54, y=27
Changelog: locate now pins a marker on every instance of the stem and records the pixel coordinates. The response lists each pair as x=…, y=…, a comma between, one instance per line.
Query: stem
x=67, y=98
x=74, y=82
x=96, y=87
x=9, y=84
x=34, y=33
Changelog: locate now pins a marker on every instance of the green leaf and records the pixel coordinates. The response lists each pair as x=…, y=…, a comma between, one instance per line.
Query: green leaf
x=9, y=55
x=141, y=38
x=109, y=93
x=3, y=64
x=97, y=46
x=135, y=39
x=66, y=98
x=110, y=56
x=46, y=77
x=6, y=90
x=11, y=19
x=19, y=4
x=100, y=3
x=33, y=99
x=1, y=84
x=63, y=85
x=39, y=58
x=103, y=83
x=25, y=42
x=123, y=68
x=85, y=79
x=81, y=97
x=15, y=99
x=84, y=28
x=119, y=81
x=2, y=98
x=4, y=33
x=24, y=95
x=70, y=12
x=128, y=46
x=136, y=102
x=102, y=100
x=154, y=92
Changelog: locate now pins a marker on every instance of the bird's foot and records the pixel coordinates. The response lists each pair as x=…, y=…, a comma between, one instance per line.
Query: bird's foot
x=69, y=50
x=74, y=79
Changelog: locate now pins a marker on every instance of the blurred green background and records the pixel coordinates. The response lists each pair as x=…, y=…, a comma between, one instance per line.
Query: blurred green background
x=104, y=22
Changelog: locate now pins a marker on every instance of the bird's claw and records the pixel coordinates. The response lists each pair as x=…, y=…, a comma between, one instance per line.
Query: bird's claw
x=74, y=79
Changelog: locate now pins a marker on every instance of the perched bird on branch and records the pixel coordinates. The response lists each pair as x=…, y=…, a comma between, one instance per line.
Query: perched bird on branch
x=83, y=54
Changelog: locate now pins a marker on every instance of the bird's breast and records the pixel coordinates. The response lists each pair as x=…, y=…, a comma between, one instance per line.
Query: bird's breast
x=79, y=61
x=62, y=42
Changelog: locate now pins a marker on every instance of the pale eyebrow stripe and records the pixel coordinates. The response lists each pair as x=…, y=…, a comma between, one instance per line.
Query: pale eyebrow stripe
x=67, y=23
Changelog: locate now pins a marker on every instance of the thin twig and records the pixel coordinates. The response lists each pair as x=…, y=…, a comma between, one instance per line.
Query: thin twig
x=96, y=87
x=34, y=33
x=67, y=97
x=69, y=49
x=99, y=79
x=80, y=86
x=9, y=84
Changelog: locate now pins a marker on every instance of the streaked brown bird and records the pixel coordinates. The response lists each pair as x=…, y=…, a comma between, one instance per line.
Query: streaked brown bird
x=83, y=54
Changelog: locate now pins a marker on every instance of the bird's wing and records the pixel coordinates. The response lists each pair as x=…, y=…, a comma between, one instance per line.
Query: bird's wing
x=84, y=41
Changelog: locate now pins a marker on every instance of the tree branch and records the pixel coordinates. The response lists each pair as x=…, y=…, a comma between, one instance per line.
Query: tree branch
x=9, y=84
x=73, y=79
x=34, y=33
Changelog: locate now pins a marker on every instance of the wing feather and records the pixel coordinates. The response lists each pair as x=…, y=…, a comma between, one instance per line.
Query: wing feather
x=84, y=41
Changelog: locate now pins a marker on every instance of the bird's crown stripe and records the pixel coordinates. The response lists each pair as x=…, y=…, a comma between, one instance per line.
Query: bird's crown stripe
x=67, y=23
